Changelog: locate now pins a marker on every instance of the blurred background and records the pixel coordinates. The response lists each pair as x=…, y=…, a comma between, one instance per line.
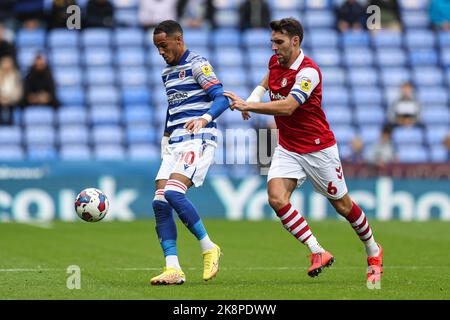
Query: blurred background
x=86, y=107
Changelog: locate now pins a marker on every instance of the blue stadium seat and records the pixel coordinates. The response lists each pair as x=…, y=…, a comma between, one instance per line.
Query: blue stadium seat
x=26, y=56
x=447, y=77
x=435, y=134
x=126, y=17
x=97, y=57
x=259, y=57
x=226, y=37
x=232, y=76
x=226, y=18
x=438, y=115
x=202, y=51
x=387, y=39
x=130, y=57
x=327, y=57
x=363, y=76
x=427, y=76
x=370, y=133
x=154, y=76
x=438, y=153
x=72, y=115
x=387, y=57
x=133, y=76
x=444, y=39
x=96, y=37
x=64, y=57
x=432, y=95
x=141, y=133
x=30, y=38
x=339, y=115
x=71, y=95
x=103, y=95
x=293, y=5
x=423, y=57
x=319, y=19
x=445, y=57
x=333, y=76
x=68, y=76
x=73, y=134
x=367, y=95
x=42, y=153
x=253, y=38
x=344, y=133
x=124, y=37
x=229, y=57
x=62, y=38
x=420, y=39
x=100, y=76
x=256, y=75
x=370, y=115
x=156, y=60
x=355, y=39
x=280, y=14
x=106, y=114
x=109, y=152
x=138, y=114
x=73, y=152
x=10, y=135
x=135, y=95
x=413, y=5
x=412, y=154
x=322, y=38
x=394, y=76
x=39, y=135
x=11, y=153
x=196, y=37
x=159, y=97
x=418, y=19
x=335, y=96
x=407, y=135
x=38, y=115
x=106, y=134
x=144, y=152
x=362, y=57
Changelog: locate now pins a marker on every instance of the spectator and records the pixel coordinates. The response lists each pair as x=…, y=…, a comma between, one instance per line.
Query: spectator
x=6, y=48
x=6, y=10
x=58, y=14
x=254, y=14
x=351, y=15
x=99, y=13
x=152, y=12
x=390, y=14
x=406, y=110
x=440, y=14
x=357, y=147
x=29, y=12
x=39, y=84
x=10, y=89
x=383, y=152
x=194, y=13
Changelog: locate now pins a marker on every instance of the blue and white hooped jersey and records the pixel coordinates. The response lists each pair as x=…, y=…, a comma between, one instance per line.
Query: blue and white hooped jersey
x=186, y=88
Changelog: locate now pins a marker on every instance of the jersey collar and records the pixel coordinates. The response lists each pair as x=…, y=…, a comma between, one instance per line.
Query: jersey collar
x=183, y=57
x=297, y=61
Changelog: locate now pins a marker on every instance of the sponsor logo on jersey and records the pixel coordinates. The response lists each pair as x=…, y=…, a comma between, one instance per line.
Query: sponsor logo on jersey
x=206, y=69
x=284, y=82
x=277, y=96
x=176, y=97
x=305, y=85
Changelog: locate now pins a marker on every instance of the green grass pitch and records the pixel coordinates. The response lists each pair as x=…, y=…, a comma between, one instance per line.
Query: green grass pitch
x=261, y=261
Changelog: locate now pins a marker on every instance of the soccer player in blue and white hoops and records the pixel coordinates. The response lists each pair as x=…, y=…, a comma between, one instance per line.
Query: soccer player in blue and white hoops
x=195, y=99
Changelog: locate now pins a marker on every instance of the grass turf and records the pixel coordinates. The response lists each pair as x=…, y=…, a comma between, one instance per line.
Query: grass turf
x=261, y=261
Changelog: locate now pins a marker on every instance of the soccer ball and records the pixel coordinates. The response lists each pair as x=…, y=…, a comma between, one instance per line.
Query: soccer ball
x=91, y=205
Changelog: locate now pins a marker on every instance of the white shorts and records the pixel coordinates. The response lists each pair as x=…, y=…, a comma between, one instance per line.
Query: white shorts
x=191, y=159
x=323, y=168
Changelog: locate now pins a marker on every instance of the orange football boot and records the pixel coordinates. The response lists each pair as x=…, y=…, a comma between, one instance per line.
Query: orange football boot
x=318, y=262
x=375, y=269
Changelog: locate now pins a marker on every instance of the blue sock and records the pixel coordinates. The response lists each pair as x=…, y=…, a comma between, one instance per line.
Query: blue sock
x=187, y=212
x=165, y=227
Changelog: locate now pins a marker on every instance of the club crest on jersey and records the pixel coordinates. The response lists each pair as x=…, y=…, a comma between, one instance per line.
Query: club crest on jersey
x=284, y=82
x=182, y=74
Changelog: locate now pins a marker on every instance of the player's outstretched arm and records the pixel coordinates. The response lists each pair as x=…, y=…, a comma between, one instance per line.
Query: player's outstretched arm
x=257, y=95
x=284, y=107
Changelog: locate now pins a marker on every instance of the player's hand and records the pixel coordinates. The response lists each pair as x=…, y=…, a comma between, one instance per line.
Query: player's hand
x=236, y=102
x=246, y=115
x=164, y=145
x=194, y=125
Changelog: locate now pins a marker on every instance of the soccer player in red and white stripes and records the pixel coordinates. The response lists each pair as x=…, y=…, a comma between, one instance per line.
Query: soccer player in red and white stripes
x=307, y=147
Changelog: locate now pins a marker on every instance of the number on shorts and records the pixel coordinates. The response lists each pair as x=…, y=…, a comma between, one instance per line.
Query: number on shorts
x=331, y=189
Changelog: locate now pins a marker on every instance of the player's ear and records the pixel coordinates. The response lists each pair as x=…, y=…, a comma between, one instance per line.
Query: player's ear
x=295, y=40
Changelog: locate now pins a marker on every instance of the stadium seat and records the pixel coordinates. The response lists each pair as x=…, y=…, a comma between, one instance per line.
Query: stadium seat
x=226, y=18
x=156, y=61
x=367, y=95
x=42, y=153
x=390, y=57
x=427, y=76
x=141, y=133
x=135, y=114
x=73, y=134
x=344, y=133
x=445, y=57
x=226, y=37
x=355, y=39
x=10, y=135
x=322, y=38
x=72, y=115
x=26, y=56
x=408, y=135
x=71, y=95
x=68, y=76
x=423, y=57
x=109, y=152
x=39, y=135
x=415, y=19
x=11, y=153
x=432, y=95
x=73, y=152
x=100, y=76
x=38, y=115
x=327, y=57
x=444, y=39
x=293, y=5
x=97, y=57
x=413, y=4
x=387, y=39
x=96, y=37
x=334, y=95
x=358, y=57
x=256, y=75
x=370, y=133
x=315, y=19
x=135, y=95
x=419, y=39
x=435, y=134
x=30, y=38
x=253, y=38
x=144, y=152
x=107, y=134
x=332, y=76
x=62, y=38
x=394, y=76
x=124, y=37
x=438, y=115
x=280, y=14
x=370, y=115
x=412, y=154
x=232, y=76
x=134, y=56
x=229, y=57
x=133, y=76
x=102, y=95
x=64, y=57
x=339, y=115
x=126, y=18
x=259, y=57
x=196, y=37
x=439, y=154
x=106, y=114
x=363, y=76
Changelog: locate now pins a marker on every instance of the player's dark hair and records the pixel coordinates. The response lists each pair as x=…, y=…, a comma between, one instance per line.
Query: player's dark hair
x=169, y=27
x=289, y=26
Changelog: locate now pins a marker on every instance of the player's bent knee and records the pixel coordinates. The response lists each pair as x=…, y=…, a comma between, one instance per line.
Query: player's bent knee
x=277, y=202
x=172, y=195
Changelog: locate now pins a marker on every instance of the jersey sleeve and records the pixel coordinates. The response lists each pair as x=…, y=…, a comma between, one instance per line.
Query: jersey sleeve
x=305, y=82
x=203, y=73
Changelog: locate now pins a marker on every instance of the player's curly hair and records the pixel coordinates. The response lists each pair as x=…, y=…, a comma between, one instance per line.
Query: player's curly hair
x=290, y=26
x=168, y=27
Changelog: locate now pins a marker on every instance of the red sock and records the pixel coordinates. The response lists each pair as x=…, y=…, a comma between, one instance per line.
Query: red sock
x=294, y=223
x=359, y=223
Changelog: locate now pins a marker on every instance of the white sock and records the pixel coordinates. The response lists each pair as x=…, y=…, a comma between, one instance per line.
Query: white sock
x=206, y=243
x=313, y=245
x=372, y=249
x=172, y=262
